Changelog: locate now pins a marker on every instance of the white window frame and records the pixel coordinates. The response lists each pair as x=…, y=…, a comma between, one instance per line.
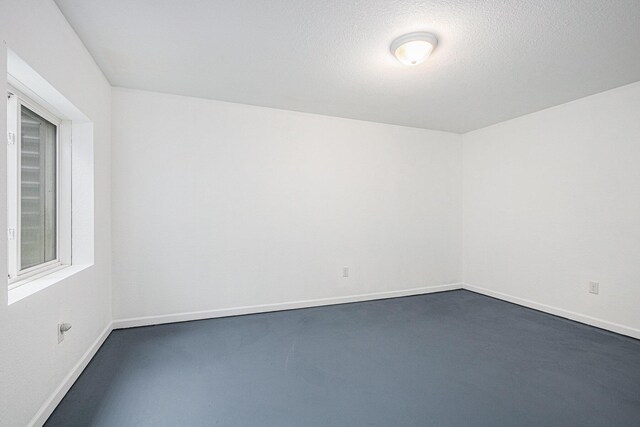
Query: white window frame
x=16, y=276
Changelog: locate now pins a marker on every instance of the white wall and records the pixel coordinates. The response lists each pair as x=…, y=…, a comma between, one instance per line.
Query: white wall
x=32, y=362
x=219, y=205
x=552, y=201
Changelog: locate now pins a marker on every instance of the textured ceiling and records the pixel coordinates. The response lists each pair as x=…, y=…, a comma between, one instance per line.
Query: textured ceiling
x=496, y=59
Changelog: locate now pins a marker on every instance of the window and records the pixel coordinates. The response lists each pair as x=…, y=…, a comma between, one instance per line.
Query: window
x=50, y=183
x=32, y=189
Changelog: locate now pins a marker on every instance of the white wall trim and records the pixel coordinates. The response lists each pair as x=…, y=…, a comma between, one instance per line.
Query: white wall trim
x=571, y=315
x=48, y=407
x=264, y=308
x=50, y=404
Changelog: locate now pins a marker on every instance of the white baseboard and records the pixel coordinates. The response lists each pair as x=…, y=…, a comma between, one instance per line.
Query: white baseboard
x=263, y=308
x=571, y=315
x=47, y=409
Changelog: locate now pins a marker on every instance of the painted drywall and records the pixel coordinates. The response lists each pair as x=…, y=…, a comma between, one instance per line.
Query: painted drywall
x=219, y=205
x=223, y=206
x=33, y=364
x=552, y=201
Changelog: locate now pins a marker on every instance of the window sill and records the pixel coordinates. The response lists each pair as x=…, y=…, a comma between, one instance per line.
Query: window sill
x=31, y=286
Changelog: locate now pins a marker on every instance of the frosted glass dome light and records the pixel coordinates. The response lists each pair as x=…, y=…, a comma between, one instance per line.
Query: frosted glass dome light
x=414, y=48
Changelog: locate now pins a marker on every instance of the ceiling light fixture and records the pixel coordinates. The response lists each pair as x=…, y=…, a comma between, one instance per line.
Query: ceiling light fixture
x=414, y=48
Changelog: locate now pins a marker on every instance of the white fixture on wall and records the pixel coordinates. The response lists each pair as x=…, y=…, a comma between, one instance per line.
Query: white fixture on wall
x=62, y=329
x=414, y=48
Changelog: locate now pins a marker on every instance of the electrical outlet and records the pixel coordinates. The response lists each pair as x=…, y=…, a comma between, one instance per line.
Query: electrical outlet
x=594, y=288
x=345, y=271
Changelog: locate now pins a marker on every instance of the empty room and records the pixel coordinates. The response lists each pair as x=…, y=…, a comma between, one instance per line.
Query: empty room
x=320, y=213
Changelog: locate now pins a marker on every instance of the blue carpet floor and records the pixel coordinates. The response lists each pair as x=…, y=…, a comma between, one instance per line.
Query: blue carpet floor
x=448, y=359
